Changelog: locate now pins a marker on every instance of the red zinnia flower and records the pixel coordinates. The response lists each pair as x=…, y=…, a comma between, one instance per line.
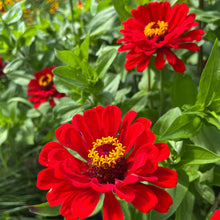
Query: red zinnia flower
x=117, y=159
x=154, y=30
x=216, y=215
x=79, y=5
x=42, y=89
x=2, y=65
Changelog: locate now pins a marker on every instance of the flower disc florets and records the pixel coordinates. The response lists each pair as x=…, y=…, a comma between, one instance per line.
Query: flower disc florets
x=46, y=81
x=107, y=160
x=158, y=29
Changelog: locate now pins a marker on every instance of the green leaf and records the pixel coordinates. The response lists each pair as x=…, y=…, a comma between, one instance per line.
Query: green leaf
x=209, y=17
x=207, y=176
x=193, y=174
x=66, y=109
x=19, y=77
x=183, y=90
x=185, y=209
x=71, y=76
x=196, y=155
x=137, y=102
x=177, y=193
x=215, y=106
x=174, y=2
x=20, y=99
x=206, y=192
x=210, y=79
x=141, y=2
x=103, y=21
x=13, y=65
x=105, y=60
x=84, y=49
x=68, y=57
x=14, y=14
x=3, y=134
x=214, y=120
x=33, y=113
x=111, y=83
x=27, y=37
x=45, y=210
x=208, y=137
x=88, y=71
x=166, y=120
x=216, y=179
x=121, y=95
x=121, y=9
x=185, y=126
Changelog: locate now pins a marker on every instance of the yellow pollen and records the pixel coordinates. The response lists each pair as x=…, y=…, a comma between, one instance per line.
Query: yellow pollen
x=113, y=156
x=45, y=80
x=158, y=29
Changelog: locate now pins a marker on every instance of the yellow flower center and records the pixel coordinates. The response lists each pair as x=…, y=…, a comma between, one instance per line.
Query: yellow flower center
x=158, y=29
x=106, y=152
x=45, y=80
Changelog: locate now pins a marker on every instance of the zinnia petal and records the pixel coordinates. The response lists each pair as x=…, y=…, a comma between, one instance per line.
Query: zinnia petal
x=84, y=202
x=46, y=179
x=71, y=138
x=145, y=199
x=111, y=208
x=164, y=199
x=111, y=120
x=167, y=178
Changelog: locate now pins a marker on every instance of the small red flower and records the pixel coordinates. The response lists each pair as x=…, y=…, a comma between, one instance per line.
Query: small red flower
x=117, y=159
x=2, y=65
x=42, y=89
x=216, y=215
x=79, y=5
x=155, y=29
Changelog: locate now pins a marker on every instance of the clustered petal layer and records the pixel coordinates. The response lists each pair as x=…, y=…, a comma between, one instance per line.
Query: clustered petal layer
x=40, y=92
x=72, y=184
x=142, y=43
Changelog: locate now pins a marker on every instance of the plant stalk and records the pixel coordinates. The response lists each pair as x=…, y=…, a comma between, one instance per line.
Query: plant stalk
x=149, y=87
x=161, y=94
x=200, y=55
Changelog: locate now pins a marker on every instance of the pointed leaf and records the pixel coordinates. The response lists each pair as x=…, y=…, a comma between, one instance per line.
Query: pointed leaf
x=166, y=120
x=45, y=210
x=210, y=79
x=105, y=60
x=185, y=126
x=183, y=90
x=196, y=155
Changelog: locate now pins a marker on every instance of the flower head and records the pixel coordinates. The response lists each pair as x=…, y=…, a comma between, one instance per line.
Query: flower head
x=42, y=88
x=155, y=29
x=118, y=159
x=79, y=5
x=2, y=65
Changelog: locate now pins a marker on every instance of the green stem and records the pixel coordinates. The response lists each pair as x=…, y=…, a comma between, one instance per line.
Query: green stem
x=161, y=94
x=4, y=163
x=72, y=15
x=146, y=216
x=149, y=88
x=200, y=58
